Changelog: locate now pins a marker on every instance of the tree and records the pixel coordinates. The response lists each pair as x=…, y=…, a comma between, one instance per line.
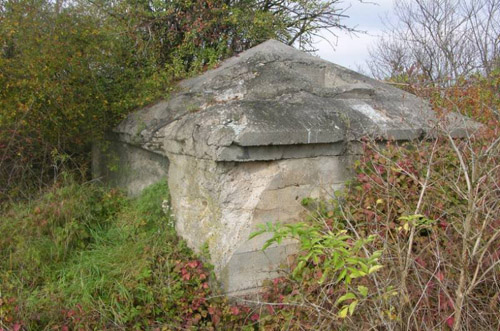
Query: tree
x=65, y=75
x=439, y=41
x=195, y=33
x=71, y=69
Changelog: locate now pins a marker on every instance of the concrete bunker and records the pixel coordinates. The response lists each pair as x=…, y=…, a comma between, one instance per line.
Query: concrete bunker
x=243, y=144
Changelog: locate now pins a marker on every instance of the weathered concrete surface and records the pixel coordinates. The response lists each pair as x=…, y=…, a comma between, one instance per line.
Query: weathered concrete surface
x=220, y=204
x=275, y=95
x=248, y=141
x=127, y=166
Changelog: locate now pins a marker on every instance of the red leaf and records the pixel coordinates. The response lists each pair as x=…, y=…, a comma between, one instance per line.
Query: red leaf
x=440, y=276
x=193, y=264
x=215, y=319
x=235, y=311
x=420, y=262
x=255, y=317
x=443, y=225
x=270, y=309
x=450, y=321
x=16, y=327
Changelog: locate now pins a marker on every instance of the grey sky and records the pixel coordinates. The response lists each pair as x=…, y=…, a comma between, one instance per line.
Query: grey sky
x=352, y=50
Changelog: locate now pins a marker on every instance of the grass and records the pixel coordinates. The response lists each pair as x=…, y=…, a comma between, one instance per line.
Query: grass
x=82, y=257
x=88, y=258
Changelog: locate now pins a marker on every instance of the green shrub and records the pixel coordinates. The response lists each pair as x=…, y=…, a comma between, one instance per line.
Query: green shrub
x=84, y=257
x=336, y=255
x=431, y=207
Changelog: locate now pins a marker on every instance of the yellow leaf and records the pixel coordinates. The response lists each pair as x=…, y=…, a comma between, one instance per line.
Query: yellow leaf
x=352, y=306
x=343, y=312
x=375, y=268
x=363, y=290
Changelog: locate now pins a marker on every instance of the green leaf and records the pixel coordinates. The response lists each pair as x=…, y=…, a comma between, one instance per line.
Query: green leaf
x=256, y=233
x=343, y=312
x=375, y=268
x=325, y=274
x=364, y=267
x=352, y=306
x=299, y=268
x=342, y=275
x=348, y=279
x=363, y=290
x=339, y=264
x=316, y=259
x=356, y=273
x=345, y=297
x=268, y=243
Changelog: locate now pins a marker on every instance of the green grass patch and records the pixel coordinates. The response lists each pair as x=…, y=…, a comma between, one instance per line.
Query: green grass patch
x=84, y=257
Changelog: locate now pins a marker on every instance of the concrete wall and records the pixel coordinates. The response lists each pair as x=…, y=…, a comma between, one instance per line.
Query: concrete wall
x=128, y=167
x=219, y=204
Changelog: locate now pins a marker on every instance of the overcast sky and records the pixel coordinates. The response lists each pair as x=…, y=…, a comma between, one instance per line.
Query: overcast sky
x=351, y=51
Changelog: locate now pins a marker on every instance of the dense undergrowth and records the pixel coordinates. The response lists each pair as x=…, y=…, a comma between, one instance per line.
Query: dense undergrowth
x=431, y=207
x=82, y=257
x=70, y=70
x=440, y=248
x=412, y=243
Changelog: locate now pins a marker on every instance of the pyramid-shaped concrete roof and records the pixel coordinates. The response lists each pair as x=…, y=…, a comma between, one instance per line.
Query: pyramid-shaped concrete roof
x=272, y=97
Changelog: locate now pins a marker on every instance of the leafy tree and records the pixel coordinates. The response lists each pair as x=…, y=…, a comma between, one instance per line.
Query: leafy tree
x=190, y=34
x=71, y=69
x=66, y=74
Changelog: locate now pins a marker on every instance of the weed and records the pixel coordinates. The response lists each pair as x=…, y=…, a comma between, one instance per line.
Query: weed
x=83, y=257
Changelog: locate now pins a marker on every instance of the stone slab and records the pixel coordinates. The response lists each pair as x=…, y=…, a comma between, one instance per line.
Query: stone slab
x=275, y=95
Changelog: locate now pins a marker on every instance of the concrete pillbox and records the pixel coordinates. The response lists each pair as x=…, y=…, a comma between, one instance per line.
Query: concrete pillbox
x=243, y=144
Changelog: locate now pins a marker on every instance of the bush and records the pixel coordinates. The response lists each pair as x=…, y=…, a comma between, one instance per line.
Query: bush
x=67, y=74
x=69, y=70
x=81, y=257
x=431, y=207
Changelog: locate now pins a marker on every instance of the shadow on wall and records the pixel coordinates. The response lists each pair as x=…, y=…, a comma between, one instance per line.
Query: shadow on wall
x=131, y=168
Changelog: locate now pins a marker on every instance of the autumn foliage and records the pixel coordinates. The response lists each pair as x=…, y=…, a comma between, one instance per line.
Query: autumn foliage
x=69, y=70
x=411, y=243
x=432, y=209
